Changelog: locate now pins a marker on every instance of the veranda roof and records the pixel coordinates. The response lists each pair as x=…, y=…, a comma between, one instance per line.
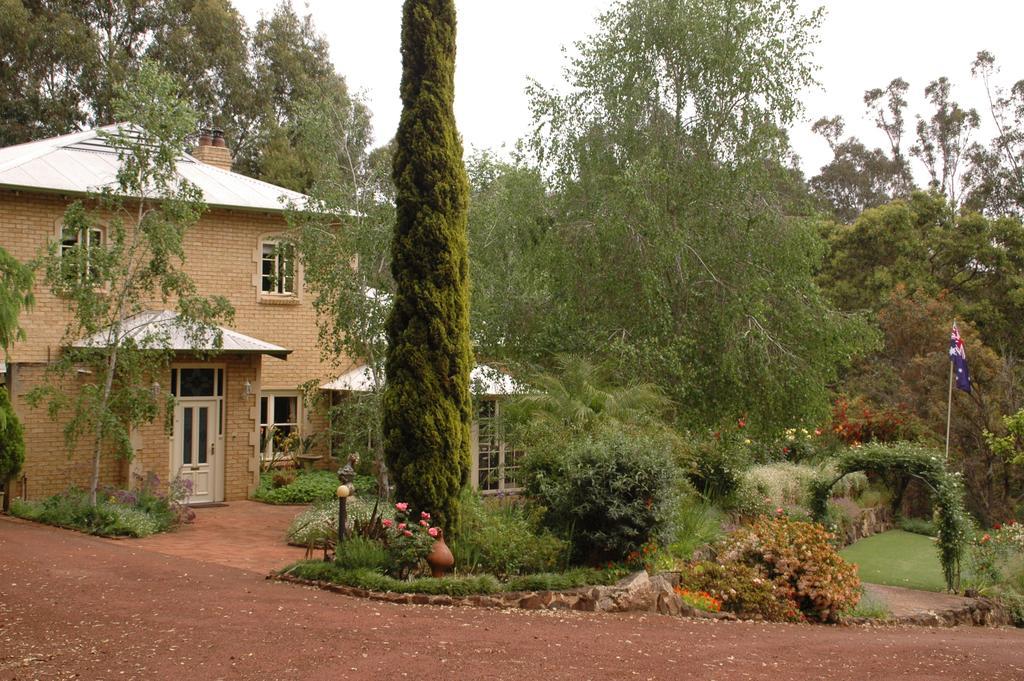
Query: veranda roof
x=161, y=329
x=484, y=380
x=84, y=162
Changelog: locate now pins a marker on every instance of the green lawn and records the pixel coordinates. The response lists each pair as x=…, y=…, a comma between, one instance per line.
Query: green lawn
x=898, y=558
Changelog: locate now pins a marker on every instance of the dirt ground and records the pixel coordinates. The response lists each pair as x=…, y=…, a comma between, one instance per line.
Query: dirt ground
x=78, y=607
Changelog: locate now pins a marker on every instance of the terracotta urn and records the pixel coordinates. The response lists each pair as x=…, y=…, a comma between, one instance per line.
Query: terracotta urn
x=440, y=558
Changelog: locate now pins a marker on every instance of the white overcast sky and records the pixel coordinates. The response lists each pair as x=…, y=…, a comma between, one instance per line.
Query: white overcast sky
x=864, y=44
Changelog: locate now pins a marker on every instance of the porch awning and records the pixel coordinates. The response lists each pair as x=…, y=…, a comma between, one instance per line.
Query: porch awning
x=483, y=380
x=163, y=330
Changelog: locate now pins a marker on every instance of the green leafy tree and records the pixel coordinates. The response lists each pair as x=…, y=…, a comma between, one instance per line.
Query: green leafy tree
x=349, y=218
x=107, y=286
x=683, y=247
x=16, y=281
x=12, y=446
x=1011, y=445
x=427, y=407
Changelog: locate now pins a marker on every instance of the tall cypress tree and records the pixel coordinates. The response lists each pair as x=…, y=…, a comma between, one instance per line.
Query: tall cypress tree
x=426, y=402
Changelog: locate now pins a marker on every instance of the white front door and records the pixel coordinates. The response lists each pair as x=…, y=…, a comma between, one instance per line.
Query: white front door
x=195, y=447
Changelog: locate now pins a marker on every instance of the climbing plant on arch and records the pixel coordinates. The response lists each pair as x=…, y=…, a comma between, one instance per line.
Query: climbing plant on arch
x=924, y=464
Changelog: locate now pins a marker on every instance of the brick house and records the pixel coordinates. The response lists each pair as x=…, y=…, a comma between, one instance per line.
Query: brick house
x=223, y=402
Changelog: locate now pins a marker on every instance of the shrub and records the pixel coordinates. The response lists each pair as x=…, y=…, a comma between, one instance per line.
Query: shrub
x=718, y=467
x=358, y=553
x=408, y=540
x=918, y=526
x=503, y=538
x=307, y=487
x=318, y=523
x=739, y=588
x=609, y=493
x=694, y=524
x=799, y=560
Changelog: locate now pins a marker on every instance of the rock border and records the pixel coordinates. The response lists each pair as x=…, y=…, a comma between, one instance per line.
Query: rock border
x=640, y=592
x=979, y=612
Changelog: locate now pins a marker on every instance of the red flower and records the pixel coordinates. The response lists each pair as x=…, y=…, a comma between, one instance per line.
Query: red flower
x=407, y=533
x=741, y=423
x=997, y=526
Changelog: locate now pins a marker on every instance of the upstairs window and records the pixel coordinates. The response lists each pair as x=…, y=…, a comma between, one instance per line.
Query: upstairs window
x=278, y=268
x=81, y=243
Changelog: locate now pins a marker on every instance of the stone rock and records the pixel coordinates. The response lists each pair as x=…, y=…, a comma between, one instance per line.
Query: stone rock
x=630, y=594
x=669, y=604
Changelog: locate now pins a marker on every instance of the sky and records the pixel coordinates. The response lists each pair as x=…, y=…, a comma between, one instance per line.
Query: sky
x=863, y=44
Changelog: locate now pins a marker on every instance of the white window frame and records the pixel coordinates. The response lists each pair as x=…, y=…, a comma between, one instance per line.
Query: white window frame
x=279, y=253
x=271, y=396
x=71, y=239
x=481, y=428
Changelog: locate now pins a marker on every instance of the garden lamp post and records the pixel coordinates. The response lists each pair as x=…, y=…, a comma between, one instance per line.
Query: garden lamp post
x=346, y=474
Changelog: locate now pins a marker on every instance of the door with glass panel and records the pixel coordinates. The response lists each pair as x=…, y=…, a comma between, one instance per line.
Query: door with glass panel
x=195, y=447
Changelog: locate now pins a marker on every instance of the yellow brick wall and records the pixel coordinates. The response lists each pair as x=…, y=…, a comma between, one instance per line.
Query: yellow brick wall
x=223, y=254
x=49, y=466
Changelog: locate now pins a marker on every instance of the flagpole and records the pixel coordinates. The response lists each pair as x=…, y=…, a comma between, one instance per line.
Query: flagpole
x=949, y=403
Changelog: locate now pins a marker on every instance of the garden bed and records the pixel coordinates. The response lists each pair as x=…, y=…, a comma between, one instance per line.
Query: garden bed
x=637, y=592
x=117, y=513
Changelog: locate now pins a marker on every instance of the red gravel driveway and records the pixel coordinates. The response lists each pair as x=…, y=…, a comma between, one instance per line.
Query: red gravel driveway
x=77, y=607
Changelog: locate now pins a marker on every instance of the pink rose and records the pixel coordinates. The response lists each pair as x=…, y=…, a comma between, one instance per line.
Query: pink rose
x=401, y=526
x=779, y=510
x=424, y=515
x=387, y=522
x=402, y=506
x=407, y=533
x=424, y=523
x=432, y=532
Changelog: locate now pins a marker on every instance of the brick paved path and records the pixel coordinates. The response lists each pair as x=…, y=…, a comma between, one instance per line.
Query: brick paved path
x=243, y=534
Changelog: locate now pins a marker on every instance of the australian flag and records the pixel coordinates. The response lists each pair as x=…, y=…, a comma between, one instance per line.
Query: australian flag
x=959, y=359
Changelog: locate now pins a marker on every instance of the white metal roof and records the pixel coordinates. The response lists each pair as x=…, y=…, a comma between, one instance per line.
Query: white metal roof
x=160, y=329
x=85, y=162
x=484, y=380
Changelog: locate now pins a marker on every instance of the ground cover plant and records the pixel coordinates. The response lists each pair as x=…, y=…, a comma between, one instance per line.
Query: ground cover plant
x=459, y=585
x=304, y=487
x=140, y=512
x=897, y=558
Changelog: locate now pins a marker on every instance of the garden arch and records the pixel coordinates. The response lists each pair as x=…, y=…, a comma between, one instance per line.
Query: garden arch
x=924, y=464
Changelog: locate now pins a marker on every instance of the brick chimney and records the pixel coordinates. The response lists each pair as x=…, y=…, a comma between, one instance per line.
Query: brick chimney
x=212, y=149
